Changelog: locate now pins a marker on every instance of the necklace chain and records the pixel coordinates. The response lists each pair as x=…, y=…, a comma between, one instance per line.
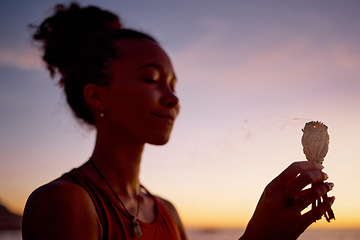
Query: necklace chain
x=133, y=218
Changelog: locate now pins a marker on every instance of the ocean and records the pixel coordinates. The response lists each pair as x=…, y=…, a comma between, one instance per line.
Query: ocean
x=232, y=234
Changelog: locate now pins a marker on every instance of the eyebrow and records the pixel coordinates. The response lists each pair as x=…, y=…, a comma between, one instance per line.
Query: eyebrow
x=154, y=65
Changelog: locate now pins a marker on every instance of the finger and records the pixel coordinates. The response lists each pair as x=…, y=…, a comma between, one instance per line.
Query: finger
x=291, y=172
x=316, y=213
x=311, y=195
x=304, y=179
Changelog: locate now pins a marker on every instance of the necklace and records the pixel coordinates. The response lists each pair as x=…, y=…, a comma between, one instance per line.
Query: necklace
x=133, y=219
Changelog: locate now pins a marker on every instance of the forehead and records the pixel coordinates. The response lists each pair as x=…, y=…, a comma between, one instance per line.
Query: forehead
x=134, y=53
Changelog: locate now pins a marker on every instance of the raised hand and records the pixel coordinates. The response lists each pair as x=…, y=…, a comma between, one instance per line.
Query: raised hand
x=278, y=214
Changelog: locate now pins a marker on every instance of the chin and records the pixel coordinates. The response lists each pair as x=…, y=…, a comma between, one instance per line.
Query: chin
x=159, y=141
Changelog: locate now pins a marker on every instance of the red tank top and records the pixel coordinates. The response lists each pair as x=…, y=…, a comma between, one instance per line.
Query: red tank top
x=114, y=224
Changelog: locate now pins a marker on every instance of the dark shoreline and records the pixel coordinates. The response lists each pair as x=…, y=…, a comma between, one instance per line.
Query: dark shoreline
x=8, y=220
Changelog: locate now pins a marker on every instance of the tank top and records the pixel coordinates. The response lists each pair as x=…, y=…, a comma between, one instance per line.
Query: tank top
x=114, y=224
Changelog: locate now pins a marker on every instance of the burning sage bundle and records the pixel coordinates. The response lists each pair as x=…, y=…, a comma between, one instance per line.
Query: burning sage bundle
x=315, y=141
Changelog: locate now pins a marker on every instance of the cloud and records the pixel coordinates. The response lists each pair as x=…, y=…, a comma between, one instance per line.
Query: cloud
x=299, y=64
x=224, y=57
x=23, y=59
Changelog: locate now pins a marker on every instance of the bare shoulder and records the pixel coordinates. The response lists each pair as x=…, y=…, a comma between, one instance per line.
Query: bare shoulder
x=175, y=215
x=169, y=206
x=60, y=210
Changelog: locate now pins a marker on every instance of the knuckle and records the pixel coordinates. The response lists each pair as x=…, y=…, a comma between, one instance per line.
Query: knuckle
x=296, y=165
x=312, y=176
x=307, y=177
x=268, y=188
x=318, y=213
x=322, y=189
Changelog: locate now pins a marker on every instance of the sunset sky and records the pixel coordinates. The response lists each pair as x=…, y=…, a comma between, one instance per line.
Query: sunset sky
x=250, y=75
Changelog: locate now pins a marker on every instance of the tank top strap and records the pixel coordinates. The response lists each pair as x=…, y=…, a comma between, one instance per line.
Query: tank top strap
x=113, y=223
x=111, y=226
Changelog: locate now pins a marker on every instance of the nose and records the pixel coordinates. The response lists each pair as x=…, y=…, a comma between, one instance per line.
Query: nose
x=170, y=100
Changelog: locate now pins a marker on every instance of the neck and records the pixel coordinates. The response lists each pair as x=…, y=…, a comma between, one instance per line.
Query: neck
x=119, y=162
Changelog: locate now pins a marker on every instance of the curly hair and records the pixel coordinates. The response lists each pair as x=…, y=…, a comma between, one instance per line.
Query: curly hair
x=77, y=44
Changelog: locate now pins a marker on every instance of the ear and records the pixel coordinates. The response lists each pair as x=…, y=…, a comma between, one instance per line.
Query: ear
x=95, y=97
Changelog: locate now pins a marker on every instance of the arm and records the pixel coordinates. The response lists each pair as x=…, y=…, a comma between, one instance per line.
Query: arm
x=60, y=210
x=174, y=214
x=278, y=213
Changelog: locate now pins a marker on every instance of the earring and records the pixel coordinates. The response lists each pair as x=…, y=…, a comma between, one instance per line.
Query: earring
x=102, y=114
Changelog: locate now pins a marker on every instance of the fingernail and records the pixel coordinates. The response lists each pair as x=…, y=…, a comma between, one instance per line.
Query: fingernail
x=325, y=176
x=330, y=185
x=320, y=166
x=332, y=200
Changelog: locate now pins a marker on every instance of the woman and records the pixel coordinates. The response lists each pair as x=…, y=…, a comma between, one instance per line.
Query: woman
x=122, y=82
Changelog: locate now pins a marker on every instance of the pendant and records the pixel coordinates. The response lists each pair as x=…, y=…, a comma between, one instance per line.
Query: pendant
x=136, y=228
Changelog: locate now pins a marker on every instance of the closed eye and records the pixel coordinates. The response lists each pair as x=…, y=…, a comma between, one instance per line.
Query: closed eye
x=150, y=80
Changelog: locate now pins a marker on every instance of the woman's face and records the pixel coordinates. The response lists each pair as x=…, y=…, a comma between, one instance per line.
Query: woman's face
x=140, y=103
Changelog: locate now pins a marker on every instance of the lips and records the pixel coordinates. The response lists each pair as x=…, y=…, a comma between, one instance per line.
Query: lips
x=167, y=117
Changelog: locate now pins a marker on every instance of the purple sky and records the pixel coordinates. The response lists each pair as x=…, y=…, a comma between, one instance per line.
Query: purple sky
x=251, y=74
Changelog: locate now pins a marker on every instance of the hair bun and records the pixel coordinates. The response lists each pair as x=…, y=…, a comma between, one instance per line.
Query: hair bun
x=78, y=43
x=64, y=34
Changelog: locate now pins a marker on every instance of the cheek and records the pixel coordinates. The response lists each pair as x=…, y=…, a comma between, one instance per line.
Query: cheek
x=132, y=104
x=146, y=98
